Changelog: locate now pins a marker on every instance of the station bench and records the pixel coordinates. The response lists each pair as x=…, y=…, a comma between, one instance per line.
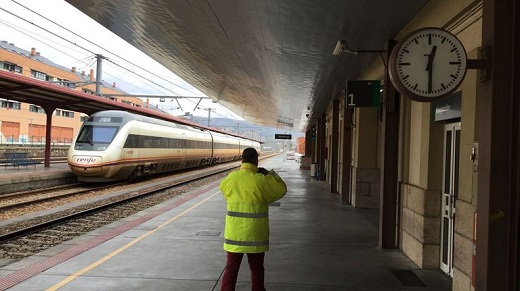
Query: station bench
x=17, y=159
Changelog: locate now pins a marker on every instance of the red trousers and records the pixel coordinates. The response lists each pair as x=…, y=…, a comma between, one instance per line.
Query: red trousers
x=256, y=264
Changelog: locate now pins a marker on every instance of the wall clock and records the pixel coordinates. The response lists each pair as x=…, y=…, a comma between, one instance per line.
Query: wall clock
x=428, y=64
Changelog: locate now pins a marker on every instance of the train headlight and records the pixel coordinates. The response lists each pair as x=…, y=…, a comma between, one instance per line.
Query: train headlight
x=101, y=148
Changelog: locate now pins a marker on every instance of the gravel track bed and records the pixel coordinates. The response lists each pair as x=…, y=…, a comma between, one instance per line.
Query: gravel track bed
x=41, y=240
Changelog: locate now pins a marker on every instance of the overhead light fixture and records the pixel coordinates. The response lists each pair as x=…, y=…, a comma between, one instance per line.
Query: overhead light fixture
x=342, y=47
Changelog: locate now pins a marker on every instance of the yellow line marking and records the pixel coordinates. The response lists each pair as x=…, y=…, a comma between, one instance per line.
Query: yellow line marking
x=114, y=253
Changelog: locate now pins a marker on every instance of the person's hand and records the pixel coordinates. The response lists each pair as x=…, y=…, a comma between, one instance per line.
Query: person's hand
x=263, y=171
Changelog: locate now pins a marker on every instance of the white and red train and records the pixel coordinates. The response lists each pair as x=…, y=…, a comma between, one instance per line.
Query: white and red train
x=115, y=145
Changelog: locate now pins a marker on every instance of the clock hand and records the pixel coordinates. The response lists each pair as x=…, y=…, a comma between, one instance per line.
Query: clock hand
x=430, y=58
x=429, y=67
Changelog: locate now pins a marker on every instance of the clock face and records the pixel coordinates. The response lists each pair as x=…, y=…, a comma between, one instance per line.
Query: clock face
x=428, y=64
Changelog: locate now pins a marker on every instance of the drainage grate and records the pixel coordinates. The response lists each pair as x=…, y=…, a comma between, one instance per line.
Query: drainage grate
x=207, y=233
x=408, y=278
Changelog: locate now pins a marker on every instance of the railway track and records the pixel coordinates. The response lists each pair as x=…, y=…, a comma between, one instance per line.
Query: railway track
x=14, y=201
x=25, y=238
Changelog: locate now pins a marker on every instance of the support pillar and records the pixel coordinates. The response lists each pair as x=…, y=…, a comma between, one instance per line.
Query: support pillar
x=334, y=160
x=390, y=139
x=346, y=185
x=48, y=136
x=497, y=247
x=322, y=151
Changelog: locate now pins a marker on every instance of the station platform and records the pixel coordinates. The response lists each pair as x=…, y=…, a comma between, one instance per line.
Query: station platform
x=316, y=244
x=14, y=179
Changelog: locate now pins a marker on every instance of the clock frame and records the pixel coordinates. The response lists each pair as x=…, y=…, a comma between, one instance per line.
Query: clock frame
x=428, y=64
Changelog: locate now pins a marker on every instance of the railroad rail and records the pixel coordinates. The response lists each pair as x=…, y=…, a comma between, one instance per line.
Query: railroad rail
x=22, y=239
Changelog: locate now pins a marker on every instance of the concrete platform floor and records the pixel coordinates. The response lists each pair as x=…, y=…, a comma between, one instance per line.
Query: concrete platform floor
x=316, y=244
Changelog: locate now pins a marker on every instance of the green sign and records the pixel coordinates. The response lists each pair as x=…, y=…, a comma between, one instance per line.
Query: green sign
x=363, y=93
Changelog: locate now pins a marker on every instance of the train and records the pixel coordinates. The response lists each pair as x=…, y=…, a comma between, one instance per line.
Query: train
x=117, y=145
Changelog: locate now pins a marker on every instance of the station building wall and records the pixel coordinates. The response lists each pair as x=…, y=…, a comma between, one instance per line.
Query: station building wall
x=421, y=150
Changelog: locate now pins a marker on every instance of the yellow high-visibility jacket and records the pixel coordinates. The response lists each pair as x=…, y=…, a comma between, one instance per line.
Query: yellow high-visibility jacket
x=248, y=195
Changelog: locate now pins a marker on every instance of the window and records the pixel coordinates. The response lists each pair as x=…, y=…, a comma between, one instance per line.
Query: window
x=97, y=134
x=11, y=67
x=38, y=75
x=88, y=91
x=36, y=109
x=59, y=81
x=143, y=141
x=69, y=114
x=132, y=141
x=11, y=105
x=64, y=113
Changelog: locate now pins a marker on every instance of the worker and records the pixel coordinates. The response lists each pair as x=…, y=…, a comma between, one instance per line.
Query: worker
x=248, y=192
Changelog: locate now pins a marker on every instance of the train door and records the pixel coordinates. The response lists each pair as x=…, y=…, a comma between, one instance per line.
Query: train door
x=449, y=194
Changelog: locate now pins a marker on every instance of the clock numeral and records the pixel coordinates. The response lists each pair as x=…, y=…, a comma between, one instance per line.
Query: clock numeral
x=453, y=76
x=404, y=64
x=453, y=49
x=415, y=87
x=455, y=63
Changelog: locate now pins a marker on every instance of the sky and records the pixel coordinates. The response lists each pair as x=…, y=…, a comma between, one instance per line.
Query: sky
x=73, y=40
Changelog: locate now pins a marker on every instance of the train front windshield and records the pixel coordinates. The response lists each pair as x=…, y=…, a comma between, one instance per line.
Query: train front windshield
x=95, y=135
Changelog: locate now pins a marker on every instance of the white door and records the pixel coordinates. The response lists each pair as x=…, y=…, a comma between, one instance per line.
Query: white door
x=449, y=193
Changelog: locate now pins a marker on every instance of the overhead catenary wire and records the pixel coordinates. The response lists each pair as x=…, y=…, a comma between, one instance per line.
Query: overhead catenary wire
x=21, y=30
x=90, y=59
x=68, y=30
x=84, y=48
x=151, y=81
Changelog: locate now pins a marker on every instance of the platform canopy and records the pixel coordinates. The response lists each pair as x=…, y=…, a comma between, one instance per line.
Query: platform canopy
x=49, y=96
x=269, y=61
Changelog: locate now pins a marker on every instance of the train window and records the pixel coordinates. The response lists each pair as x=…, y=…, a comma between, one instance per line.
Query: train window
x=132, y=141
x=156, y=142
x=164, y=142
x=106, y=119
x=97, y=134
x=147, y=141
x=175, y=143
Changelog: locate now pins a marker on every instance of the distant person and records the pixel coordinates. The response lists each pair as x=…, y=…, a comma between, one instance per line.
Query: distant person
x=248, y=192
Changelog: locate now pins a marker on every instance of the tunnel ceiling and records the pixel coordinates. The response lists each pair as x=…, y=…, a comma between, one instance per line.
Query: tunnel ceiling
x=269, y=61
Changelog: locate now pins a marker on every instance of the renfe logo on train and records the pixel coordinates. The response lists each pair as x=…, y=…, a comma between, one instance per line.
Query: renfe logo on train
x=86, y=160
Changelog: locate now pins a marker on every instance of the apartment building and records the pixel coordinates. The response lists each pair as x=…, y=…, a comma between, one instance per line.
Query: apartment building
x=23, y=123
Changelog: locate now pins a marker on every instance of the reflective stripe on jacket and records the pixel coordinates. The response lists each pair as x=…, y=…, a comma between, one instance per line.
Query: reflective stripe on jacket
x=248, y=195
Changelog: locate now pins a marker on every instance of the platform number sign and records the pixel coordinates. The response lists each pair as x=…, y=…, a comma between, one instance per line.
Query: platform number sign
x=363, y=93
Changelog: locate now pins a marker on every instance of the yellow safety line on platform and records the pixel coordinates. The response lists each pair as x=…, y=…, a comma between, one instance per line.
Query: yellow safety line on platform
x=114, y=253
